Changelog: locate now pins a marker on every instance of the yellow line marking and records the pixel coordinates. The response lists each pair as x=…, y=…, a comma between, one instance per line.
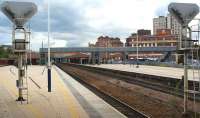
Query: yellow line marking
x=37, y=113
x=68, y=99
x=10, y=87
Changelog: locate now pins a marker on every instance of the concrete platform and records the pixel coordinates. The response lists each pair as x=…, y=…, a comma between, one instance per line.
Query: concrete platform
x=68, y=98
x=153, y=70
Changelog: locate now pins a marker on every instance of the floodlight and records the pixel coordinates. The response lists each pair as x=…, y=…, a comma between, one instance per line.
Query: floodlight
x=18, y=12
x=183, y=12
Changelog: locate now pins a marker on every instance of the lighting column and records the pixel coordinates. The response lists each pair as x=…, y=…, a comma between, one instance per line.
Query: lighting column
x=49, y=60
x=137, y=53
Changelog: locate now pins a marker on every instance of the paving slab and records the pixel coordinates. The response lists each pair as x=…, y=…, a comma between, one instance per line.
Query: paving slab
x=92, y=104
x=63, y=102
x=154, y=70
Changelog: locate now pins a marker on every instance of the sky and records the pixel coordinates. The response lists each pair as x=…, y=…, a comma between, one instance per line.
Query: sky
x=75, y=23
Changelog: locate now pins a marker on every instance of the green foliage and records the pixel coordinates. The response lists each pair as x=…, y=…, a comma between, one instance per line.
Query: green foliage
x=4, y=53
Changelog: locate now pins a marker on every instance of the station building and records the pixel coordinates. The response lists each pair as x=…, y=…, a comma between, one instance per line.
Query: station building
x=145, y=39
x=85, y=58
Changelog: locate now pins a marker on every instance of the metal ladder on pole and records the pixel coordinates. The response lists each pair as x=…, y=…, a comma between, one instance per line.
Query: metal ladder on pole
x=24, y=87
x=195, y=76
x=25, y=90
x=25, y=84
x=195, y=72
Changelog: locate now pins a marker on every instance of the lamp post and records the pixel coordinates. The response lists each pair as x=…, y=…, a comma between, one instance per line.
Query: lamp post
x=137, y=66
x=19, y=13
x=184, y=14
x=49, y=56
x=107, y=51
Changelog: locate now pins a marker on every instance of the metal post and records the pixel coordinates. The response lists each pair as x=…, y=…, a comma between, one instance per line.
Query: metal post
x=29, y=36
x=185, y=82
x=198, y=47
x=94, y=58
x=49, y=63
x=30, y=54
x=137, y=53
x=91, y=58
x=42, y=57
x=107, y=51
x=20, y=68
x=183, y=12
x=187, y=46
x=99, y=58
x=19, y=13
x=20, y=75
x=124, y=57
x=81, y=61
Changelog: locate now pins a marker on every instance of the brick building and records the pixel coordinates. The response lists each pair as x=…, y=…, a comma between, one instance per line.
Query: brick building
x=106, y=41
x=142, y=32
x=164, y=38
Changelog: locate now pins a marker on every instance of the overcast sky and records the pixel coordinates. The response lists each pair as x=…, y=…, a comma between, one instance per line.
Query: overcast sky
x=74, y=23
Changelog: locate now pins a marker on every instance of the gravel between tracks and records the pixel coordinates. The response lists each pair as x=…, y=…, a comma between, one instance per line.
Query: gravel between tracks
x=152, y=103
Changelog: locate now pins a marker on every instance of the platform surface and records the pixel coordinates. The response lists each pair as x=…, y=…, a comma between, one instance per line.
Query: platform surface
x=154, y=70
x=68, y=98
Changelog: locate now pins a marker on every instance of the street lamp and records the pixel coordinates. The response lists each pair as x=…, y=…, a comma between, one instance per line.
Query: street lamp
x=49, y=56
x=184, y=13
x=137, y=66
x=19, y=13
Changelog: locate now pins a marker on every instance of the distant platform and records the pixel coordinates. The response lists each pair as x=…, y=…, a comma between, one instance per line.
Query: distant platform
x=68, y=98
x=153, y=70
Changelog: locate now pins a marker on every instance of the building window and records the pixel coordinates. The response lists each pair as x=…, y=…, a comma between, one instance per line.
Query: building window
x=149, y=44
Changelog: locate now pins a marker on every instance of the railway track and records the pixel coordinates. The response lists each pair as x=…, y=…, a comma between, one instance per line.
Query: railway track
x=121, y=106
x=173, y=87
x=111, y=82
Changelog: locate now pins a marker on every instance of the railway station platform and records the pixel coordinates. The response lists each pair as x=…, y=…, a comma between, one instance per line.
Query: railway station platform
x=68, y=99
x=153, y=70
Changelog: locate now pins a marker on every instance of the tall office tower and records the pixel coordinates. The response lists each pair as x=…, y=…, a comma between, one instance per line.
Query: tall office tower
x=168, y=22
x=173, y=25
x=159, y=23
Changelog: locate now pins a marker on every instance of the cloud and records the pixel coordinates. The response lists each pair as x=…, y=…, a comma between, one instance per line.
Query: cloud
x=76, y=22
x=5, y=35
x=64, y=18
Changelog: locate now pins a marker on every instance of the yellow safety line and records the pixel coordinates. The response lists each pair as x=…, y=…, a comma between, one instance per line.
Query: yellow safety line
x=37, y=113
x=11, y=88
x=68, y=99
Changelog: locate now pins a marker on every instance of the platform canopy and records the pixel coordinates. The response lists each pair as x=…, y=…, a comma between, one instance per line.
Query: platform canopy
x=18, y=12
x=183, y=12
